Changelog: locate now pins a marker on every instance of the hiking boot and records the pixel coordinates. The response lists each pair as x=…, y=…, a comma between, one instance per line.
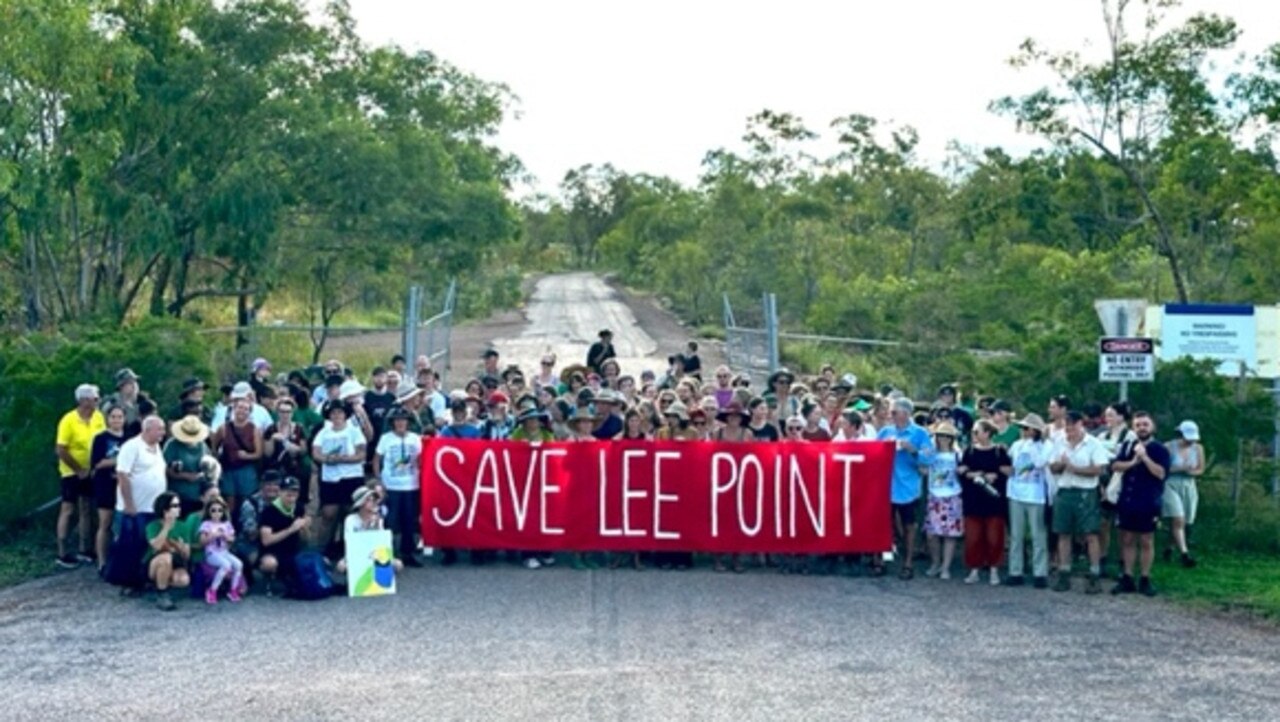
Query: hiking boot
x=1145, y=587
x=164, y=602
x=1014, y=581
x=1125, y=586
x=1094, y=585
x=1040, y=583
x=1064, y=582
x=1188, y=561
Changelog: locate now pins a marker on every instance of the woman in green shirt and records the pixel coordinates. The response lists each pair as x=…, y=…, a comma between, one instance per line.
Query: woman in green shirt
x=168, y=549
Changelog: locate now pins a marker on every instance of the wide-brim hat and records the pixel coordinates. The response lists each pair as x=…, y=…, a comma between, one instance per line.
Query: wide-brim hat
x=579, y=414
x=1032, y=421
x=350, y=388
x=945, y=428
x=191, y=384
x=408, y=394
x=532, y=413
x=568, y=371
x=678, y=410
x=605, y=332
x=360, y=495
x=189, y=430
x=399, y=412
x=609, y=396
x=733, y=409
x=124, y=376
x=241, y=390
x=780, y=374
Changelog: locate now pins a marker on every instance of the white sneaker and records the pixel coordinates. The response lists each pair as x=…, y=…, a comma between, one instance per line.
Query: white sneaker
x=972, y=578
x=946, y=574
x=995, y=578
x=532, y=563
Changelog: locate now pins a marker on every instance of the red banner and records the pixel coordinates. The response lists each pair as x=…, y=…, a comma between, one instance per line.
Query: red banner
x=799, y=498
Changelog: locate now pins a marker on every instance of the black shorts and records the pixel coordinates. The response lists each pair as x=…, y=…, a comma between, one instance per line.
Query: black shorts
x=104, y=491
x=338, y=493
x=905, y=512
x=1136, y=522
x=71, y=488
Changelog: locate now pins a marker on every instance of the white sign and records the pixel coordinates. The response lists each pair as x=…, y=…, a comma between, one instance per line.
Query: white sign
x=1126, y=359
x=370, y=564
x=1227, y=334
x=1111, y=310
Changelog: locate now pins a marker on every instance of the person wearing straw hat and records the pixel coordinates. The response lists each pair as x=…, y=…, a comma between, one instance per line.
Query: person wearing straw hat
x=183, y=454
x=1186, y=464
x=581, y=423
x=944, y=518
x=396, y=462
x=1028, y=492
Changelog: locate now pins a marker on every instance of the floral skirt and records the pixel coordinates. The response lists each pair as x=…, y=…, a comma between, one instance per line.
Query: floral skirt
x=945, y=517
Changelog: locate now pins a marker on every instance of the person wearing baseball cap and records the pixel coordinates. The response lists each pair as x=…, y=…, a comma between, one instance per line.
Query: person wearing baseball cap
x=498, y=423
x=1180, y=500
x=280, y=529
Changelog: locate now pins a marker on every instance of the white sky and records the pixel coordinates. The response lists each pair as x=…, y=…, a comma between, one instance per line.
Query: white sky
x=652, y=86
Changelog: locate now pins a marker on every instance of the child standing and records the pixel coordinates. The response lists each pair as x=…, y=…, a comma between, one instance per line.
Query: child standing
x=944, y=522
x=216, y=536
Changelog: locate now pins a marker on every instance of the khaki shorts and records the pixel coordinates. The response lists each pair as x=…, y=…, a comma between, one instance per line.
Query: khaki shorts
x=1075, y=511
x=1180, y=499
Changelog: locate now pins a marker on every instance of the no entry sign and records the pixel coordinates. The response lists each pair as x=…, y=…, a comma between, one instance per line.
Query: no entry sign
x=1126, y=359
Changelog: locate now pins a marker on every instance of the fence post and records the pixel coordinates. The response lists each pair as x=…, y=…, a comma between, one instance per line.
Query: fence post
x=771, y=329
x=410, y=340
x=1275, y=443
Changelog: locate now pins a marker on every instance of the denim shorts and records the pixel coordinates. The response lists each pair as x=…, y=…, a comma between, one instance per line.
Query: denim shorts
x=242, y=482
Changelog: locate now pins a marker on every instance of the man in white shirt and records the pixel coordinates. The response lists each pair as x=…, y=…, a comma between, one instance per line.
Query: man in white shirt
x=140, y=470
x=1078, y=462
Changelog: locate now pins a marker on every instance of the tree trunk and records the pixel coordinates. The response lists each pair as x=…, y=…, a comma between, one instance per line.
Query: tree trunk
x=158, y=286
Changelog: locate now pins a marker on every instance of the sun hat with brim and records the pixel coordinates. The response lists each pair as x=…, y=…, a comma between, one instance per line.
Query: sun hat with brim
x=945, y=428
x=241, y=390
x=399, y=412
x=408, y=394
x=189, y=430
x=581, y=414
x=350, y=388
x=780, y=374
x=568, y=371
x=532, y=413
x=360, y=496
x=1190, y=430
x=1032, y=421
x=124, y=376
x=332, y=406
x=609, y=396
x=733, y=409
x=678, y=410
x=191, y=384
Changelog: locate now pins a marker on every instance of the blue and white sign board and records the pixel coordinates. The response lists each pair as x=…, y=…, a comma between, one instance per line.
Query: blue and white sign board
x=1227, y=334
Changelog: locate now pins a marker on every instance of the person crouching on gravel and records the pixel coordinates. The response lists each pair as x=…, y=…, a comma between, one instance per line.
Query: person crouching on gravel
x=168, y=549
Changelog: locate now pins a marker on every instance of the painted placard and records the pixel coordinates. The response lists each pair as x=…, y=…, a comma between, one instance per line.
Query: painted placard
x=369, y=564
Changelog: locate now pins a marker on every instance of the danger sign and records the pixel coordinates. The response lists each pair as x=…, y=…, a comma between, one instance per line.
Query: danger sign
x=1126, y=359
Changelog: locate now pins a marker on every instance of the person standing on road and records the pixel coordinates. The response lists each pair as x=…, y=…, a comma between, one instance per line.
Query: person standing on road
x=73, y=446
x=396, y=462
x=1186, y=464
x=601, y=351
x=339, y=448
x=184, y=454
x=1115, y=434
x=1028, y=492
x=1145, y=465
x=983, y=470
x=106, y=448
x=944, y=520
x=913, y=446
x=1078, y=461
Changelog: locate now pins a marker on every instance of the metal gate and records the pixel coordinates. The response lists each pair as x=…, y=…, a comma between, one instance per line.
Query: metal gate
x=432, y=337
x=752, y=351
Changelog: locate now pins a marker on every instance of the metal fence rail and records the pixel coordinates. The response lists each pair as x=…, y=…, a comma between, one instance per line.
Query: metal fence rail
x=748, y=350
x=433, y=337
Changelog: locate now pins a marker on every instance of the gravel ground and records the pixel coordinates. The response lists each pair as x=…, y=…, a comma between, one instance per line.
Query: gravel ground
x=503, y=642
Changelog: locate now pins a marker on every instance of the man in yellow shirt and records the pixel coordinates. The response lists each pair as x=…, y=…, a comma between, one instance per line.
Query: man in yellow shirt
x=75, y=439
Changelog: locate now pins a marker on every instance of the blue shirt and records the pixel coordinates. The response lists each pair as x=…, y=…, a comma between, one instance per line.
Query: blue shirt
x=906, y=466
x=460, y=431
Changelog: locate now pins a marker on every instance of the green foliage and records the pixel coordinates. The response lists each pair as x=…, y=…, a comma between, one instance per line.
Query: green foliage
x=38, y=377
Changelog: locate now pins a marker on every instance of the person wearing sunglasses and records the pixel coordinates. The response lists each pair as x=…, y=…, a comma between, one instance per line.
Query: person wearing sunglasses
x=216, y=536
x=168, y=549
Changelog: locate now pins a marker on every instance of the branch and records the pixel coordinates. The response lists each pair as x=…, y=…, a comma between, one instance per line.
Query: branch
x=178, y=303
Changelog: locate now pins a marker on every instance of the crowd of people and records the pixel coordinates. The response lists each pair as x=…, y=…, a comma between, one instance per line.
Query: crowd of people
x=246, y=489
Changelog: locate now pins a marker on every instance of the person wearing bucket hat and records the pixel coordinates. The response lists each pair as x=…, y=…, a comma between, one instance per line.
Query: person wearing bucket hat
x=125, y=396
x=1028, y=493
x=533, y=427
x=784, y=405
x=339, y=449
x=944, y=515
x=609, y=405
x=735, y=420
x=396, y=463
x=364, y=517
x=1181, y=499
x=183, y=453
x=581, y=423
x=601, y=351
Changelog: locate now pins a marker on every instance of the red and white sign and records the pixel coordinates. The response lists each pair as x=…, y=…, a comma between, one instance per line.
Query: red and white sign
x=796, y=498
x=1126, y=359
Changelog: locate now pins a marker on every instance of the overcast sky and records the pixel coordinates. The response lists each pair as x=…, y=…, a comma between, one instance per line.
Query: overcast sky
x=652, y=86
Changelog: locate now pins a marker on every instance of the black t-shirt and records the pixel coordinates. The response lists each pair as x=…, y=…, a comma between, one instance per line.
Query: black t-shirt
x=768, y=432
x=1140, y=490
x=975, y=499
x=377, y=405
x=106, y=445
x=598, y=354
x=693, y=365
x=278, y=521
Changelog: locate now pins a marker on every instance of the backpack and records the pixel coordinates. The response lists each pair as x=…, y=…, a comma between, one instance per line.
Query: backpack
x=124, y=559
x=312, y=580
